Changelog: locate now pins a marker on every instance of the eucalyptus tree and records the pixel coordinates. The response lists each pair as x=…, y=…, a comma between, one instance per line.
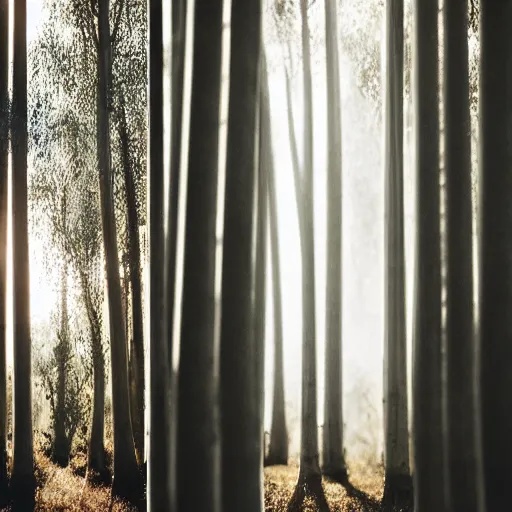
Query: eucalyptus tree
x=241, y=434
x=333, y=456
x=4, y=150
x=310, y=478
x=495, y=294
x=429, y=469
x=463, y=444
x=22, y=474
x=198, y=437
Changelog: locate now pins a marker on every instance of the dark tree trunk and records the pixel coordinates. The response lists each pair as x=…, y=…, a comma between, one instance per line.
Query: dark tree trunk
x=4, y=151
x=429, y=464
x=495, y=249
x=22, y=475
x=278, y=449
x=333, y=456
x=127, y=480
x=198, y=443
x=241, y=427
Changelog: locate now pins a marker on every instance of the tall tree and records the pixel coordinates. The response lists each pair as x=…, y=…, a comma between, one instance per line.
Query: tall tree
x=278, y=449
x=22, y=475
x=464, y=457
x=127, y=479
x=495, y=249
x=4, y=149
x=240, y=404
x=429, y=470
x=198, y=442
x=310, y=477
x=398, y=486
x=333, y=456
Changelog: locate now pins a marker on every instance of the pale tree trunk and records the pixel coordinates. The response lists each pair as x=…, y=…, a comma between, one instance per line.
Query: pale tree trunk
x=496, y=246
x=310, y=477
x=333, y=456
x=398, y=483
x=22, y=475
x=97, y=471
x=429, y=466
x=241, y=428
x=463, y=444
x=160, y=494
x=198, y=443
x=278, y=449
x=127, y=480
x=4, y=151
x=134, y=277
x=60, y=443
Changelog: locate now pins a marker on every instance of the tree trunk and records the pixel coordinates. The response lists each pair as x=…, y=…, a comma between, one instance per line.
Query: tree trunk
x=463, y=444
x=398, y=483
x=97, y=471
x=496, y=245
x=4, y=152
x=198, y=441
x=22, y=475
x=429, y=469
x=333, y=456
x=134, y=271
x=278, y=449
x=240, y=405
x=61, y=447
x=310, y=478
x=127, y=481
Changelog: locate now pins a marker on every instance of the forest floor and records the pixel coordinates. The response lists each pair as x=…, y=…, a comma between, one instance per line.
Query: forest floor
x=62, y=489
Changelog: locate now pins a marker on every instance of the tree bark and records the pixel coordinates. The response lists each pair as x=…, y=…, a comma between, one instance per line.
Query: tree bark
x=127, y=482
x=333, y=456
x=4, y=152
x=398, y=482
x=242, y=484
x=278, y=449
x=198, y=441
x=310, y=478
x=22, y=475
x=429, y=466
x=495, y=299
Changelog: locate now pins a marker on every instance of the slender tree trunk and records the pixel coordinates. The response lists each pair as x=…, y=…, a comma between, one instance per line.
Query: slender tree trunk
x=496, y=246
x=4, y=151
x=278, y=449
x=199, y=448
x=398, y=483
x=60, y=443
x=463, y=444
x=310, y=477
x=429, y=467
x=22, y=475
x=97, y=471
x=241, y=427
x=127, y=481
x=134, y=271
x=333, y=456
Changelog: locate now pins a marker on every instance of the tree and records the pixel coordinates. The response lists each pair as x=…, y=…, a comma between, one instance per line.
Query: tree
x=127, y=480
x=310, y=477
x=495, y=297
x=4, y=149
x=240, y=405
x=429, y=471
x=278, y=449
x=398, y=487
x=333, y=456
x=198, y=442
x=464, y=457
x=22, y=475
